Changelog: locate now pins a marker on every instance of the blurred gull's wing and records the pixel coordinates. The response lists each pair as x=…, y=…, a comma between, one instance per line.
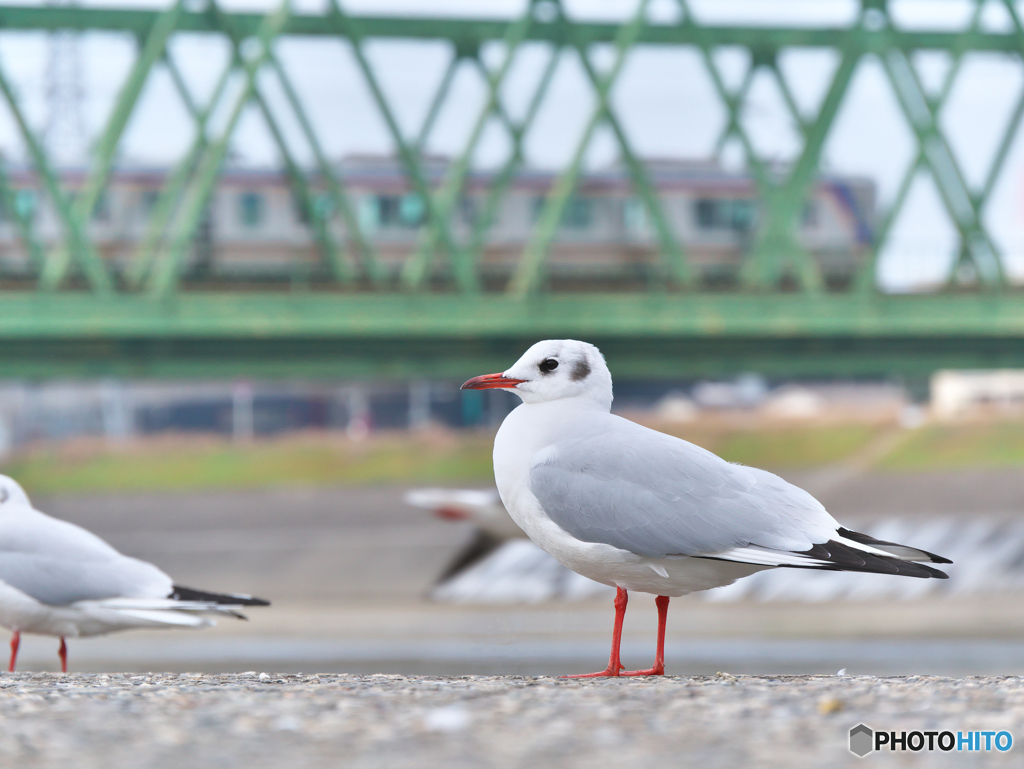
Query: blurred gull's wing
x=58, y=563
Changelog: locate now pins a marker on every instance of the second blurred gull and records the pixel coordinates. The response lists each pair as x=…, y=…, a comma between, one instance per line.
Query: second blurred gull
x=58, y=579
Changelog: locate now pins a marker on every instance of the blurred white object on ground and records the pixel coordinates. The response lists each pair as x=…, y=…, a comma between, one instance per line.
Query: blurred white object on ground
x=957, y=393
x=988, y=555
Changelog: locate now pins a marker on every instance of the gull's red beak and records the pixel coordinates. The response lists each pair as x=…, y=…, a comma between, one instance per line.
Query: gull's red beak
x=490, y=382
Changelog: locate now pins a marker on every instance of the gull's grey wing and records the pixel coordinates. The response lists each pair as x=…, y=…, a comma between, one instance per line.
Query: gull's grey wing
x=58, y=563
x=621, y=484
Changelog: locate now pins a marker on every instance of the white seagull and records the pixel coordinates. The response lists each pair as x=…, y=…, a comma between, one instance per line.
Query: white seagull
x=60, y=580
x=636, y=509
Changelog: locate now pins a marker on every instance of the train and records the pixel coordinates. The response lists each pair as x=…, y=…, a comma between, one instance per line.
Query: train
x=256, y=229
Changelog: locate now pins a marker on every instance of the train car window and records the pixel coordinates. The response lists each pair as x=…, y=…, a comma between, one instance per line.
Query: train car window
x=723, y=214
x=468, y=210
x=809, y=216
x=301, y=207
x=707, y=214
x=369, y=214
x=744, y=215
x=538, y=206
x=250, y=209
x=323, y=206
x=578, y=213
x=634, y=215
x=411, y=210
x=148, y=201
x=101, y=209
x=25, y=203
x=387, y=210
x=405, y=211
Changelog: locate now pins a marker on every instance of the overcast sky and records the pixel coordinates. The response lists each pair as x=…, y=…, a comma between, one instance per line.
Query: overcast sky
x=664, y=98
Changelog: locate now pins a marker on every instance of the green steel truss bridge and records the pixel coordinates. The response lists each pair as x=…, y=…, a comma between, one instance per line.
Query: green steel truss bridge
x=79, y=314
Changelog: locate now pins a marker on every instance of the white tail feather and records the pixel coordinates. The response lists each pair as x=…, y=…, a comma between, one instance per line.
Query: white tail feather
x=178, y=618
x=763, y=556
x=902, y=552
x=164, y=605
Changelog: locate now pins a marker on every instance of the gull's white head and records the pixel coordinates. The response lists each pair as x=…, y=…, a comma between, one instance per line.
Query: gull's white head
x=11, y=492
x=552, y=370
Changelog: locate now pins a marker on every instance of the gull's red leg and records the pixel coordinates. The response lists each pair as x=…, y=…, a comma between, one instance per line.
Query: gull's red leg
x=62, y=652
x=15, y=643
x=659, y=657
x=614, y=666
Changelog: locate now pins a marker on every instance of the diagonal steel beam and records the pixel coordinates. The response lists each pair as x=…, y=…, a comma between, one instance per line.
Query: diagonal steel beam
x=92, y=265
x=300, y=186
x=672, y=252
x=335, y=187
x=498, y=188
x=439, y=98
x=416, y=268
x=982, y=251
x=527, y=277
x=164, y=276
x=23, y=220
x=733, y=101
x=466, y=279
x=867, y=278
x=788, y=99
x=945, y=171
x=777, y=246
x=59, y=260
x=139, y=269
x=322, y=234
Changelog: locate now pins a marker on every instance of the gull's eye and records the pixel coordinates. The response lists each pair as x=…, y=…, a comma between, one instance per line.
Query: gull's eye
x=548, y=365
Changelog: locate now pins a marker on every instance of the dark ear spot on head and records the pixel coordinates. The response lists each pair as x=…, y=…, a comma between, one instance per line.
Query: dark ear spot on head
x=4, y=494
x=580, y=371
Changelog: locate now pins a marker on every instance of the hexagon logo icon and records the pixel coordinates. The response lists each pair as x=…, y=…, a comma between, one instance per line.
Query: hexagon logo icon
x=862, y=740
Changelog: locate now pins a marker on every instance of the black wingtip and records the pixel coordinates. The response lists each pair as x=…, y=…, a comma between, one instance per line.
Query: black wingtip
x=836, y=556
x=180, y=593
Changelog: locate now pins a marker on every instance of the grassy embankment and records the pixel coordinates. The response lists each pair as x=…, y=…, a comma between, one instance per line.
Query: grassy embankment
x=182, y=463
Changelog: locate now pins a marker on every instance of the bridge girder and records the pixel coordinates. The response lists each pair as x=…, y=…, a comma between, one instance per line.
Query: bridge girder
x=77, y=313
x=281, y=336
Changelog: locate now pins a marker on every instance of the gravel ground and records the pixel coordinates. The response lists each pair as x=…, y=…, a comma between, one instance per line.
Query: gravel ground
x=267, y=720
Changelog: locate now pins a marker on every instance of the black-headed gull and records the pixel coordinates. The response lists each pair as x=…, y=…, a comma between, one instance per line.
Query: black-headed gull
x=60, y=580
x=636, y=509
x=482, y=508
